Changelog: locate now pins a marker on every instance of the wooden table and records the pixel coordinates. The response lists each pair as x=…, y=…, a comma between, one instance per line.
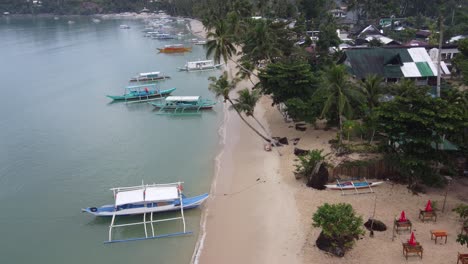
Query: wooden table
x=406, y=225
x=438, y=233
x=417, y=249
x=463, y=258
x=424, y=215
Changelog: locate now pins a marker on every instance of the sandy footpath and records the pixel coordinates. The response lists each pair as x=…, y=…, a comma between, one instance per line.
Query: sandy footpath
x=259, y=213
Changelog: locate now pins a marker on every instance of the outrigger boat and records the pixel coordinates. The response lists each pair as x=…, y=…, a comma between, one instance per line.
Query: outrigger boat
x=182, y=105
x=353, y=185
x=201, y=65
x=141, y=93
x=147, y=199
x=149, y=77
x=162, y=36
x=174, y=48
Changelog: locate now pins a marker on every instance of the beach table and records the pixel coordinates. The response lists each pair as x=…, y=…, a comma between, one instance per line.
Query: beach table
x=438, y=233
x=427, y=215
x=462, y=258
x=412, y=249
x=404, y=225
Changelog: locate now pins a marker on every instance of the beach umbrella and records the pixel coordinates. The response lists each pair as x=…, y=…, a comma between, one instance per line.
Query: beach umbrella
x=412, y=240
x=403, y=217
x=428, y=206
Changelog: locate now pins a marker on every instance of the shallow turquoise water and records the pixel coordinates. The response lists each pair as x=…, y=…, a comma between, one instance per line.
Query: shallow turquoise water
x=62, y=145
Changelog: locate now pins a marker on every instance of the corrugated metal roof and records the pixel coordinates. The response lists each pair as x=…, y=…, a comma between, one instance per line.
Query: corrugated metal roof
x=425, y=69
x=410, y=69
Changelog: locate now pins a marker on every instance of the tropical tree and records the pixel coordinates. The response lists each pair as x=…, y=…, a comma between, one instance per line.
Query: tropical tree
x=221, y=86
x=246, y=103
x=372, y=90
x=220, y=43
x=339, y=93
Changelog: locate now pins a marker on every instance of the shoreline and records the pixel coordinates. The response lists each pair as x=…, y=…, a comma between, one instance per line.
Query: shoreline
x=245, y=186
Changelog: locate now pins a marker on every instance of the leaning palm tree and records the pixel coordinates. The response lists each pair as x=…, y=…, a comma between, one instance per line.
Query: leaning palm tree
x=339, y=94
x=246, y=103
x=221, y=87
x=221, y=45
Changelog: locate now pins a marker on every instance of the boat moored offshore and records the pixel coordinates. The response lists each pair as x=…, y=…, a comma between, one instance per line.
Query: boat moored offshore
x=200, y=65
x=174, y=48
x=149, y=77
x=183, y=104
x=141, y=93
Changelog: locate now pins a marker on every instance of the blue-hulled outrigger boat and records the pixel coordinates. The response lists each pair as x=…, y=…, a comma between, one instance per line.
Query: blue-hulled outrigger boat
x=147, y=199
x=141, y=93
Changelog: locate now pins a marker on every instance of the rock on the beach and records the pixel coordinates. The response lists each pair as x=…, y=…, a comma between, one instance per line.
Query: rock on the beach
x=300, y=152
x=331, y=246
x=318, y=180
x=377, y=226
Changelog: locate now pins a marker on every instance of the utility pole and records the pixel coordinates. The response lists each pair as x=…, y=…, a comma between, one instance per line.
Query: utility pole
x=439, y=53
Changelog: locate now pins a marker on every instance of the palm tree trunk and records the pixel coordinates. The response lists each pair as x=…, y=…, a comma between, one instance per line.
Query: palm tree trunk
x=341, y=129
x=261, y=125
x=243, y=68
x=372, y=136
x=248, y=124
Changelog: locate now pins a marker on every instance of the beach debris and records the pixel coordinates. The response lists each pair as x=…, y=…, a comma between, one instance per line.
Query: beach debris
x=281, y=141
x=301, y=127
x=318, y=177
x=376, y=226
x=295, y=141
x=267, y=147
x=300, y=152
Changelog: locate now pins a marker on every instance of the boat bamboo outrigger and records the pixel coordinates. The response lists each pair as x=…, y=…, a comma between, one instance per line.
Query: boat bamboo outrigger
x=148, y=199
x=183, y=105
x=141, y=93
x=355, y=186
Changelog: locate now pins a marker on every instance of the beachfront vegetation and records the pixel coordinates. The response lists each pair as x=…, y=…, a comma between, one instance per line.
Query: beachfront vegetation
x=222, y=86
x=340, y=227
x=462, y=211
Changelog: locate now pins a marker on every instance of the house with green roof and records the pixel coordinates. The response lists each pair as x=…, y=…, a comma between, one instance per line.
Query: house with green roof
x=392, y=64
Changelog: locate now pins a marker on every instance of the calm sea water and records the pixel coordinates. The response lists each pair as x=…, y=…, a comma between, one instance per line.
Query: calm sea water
x=63, y=145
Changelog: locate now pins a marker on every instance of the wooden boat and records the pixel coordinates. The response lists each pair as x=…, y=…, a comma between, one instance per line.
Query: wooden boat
x=201, y=65
x=351, y=185
x=162, y=36
x=123, y=26
x=147, y=200
x=174, y=48
x=141, y=93
x=148, y=77
x=182, y=104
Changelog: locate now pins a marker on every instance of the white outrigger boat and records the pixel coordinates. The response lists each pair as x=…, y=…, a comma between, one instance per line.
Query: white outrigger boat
x=201, y=65
x=147, y=199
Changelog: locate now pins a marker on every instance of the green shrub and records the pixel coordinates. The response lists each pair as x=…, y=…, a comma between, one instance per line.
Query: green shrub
x=308, y=162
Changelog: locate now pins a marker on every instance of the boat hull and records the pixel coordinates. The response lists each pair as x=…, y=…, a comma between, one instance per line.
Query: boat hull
x=109, y=210
x=163, y=93
x=350, y=186
x=174, y=50
x=215, y=67
x=149, y=79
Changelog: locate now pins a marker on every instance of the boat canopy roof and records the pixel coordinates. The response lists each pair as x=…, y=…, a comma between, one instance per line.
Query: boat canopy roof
x=149, y=73
x=141, y=86
x=173, y=46
x=183, y=98
x=201, y=61
x=147, y=194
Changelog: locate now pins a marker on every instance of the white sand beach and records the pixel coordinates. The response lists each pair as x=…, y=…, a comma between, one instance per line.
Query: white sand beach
x=259, y=213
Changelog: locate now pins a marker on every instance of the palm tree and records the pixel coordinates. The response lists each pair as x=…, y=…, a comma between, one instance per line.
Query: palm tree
x=372, y=91
x=221, y=44
x=246, y=104
x=221, y=87
x=339, y=94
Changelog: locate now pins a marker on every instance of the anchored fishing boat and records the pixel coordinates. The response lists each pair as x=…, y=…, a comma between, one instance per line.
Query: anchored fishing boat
x=201, y=65
x=147, y=199
x=162, y=36
x=141, y=93
x=123, y=26
x=175, y=48
x=149, y=77
x=183, y=105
